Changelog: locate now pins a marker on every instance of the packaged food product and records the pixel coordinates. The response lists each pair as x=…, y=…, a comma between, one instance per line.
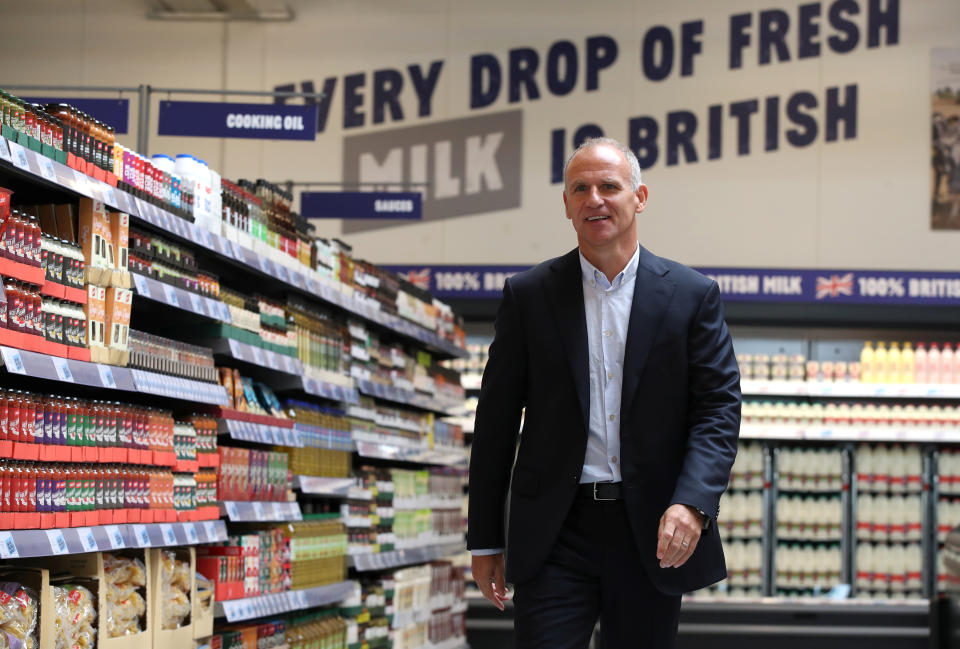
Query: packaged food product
x=174, y=591
x=75, y=617
x=205, y=589
x=125, y=604
x=18, y=616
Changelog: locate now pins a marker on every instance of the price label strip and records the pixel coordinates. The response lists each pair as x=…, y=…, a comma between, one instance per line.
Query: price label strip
x=140, y=283
x=191, y=532
x=106, y=376
x=58, y=544
x=4, y=149
x=166, y=531
x=196, y=302
x=62, y=368
x=232, y=512
x=171, y=295
x=46, y=168
x=13, y=360
x=87, y=539
x=8, y=548
x=19, y=155
x=141, y=536
x=116, y=538
x=210, y=531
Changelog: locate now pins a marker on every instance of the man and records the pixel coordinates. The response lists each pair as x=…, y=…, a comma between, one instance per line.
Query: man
x=632, y=394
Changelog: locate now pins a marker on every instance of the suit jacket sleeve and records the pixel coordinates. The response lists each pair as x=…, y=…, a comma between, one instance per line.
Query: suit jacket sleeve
x=502, y=396
x=713, y=421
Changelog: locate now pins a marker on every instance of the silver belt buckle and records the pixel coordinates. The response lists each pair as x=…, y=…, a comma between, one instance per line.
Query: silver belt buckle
x=600, y=499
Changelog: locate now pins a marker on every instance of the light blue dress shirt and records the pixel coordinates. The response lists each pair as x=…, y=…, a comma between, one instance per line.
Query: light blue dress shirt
x=607, y=307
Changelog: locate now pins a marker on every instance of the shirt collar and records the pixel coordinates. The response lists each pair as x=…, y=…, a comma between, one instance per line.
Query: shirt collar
x=593, y=277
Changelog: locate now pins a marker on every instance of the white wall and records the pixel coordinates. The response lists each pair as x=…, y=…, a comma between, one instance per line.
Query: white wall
x=858, y=203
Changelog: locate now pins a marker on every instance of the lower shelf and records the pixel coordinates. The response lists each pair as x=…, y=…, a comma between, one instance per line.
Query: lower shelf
x=397, y=558
x=77, y=540
x=236, y=610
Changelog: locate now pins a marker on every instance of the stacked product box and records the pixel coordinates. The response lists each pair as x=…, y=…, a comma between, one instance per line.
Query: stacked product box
x=159, y=354
x=326, y=437
x=247, y=474
x=365, y=612
x=318, y=550
x=108, y=285
x=320, y=629
x=157, y=258
x=266, y=558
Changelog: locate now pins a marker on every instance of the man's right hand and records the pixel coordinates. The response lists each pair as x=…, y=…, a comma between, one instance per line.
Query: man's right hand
x=488, y=572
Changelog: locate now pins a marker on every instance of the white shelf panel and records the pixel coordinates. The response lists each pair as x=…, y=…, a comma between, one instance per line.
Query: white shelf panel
x=405, y=557
x=441, y=457
x=77, y=540
x=241, y=511
x=179, y=298
x=54, y=368
x=333, y=487
x=753, y=388
x=237, y=610
x=850, y=433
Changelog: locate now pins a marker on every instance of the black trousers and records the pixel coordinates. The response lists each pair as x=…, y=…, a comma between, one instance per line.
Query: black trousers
x=594, y=572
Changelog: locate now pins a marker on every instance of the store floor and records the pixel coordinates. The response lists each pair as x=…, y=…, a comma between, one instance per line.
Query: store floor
x=758, y=625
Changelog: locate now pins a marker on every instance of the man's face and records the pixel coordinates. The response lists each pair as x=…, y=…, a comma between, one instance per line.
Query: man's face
x=599, y=201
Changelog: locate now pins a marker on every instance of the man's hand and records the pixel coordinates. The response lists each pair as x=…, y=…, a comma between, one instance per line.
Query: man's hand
x=488, y=572
x=680, y=528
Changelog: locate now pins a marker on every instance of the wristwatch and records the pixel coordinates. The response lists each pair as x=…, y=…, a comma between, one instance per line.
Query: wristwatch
x=706, y=519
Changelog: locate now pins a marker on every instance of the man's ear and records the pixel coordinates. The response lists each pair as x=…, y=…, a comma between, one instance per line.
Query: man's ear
x=642, y=194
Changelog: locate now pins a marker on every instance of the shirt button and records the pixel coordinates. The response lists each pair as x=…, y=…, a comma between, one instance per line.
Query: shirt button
x=611, y=417
x=609, y=375
x=614, y=459
x=607, y=333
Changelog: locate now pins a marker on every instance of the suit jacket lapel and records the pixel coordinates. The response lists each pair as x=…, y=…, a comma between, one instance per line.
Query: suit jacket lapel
x=564, y=291
x=652, y=293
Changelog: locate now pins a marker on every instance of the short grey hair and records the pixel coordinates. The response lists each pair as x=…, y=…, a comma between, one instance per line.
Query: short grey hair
x=631, y=157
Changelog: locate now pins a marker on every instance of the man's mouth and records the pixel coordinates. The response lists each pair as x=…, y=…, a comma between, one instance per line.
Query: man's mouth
x=597, y=218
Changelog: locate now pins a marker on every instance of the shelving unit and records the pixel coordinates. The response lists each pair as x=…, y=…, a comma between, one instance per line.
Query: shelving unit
x=158, y=304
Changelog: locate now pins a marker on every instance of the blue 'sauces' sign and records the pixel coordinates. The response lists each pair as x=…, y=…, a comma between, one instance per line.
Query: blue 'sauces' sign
x=249, y=121
x=361, y=205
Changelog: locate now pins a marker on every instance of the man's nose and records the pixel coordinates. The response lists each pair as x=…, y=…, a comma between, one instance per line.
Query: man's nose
x=594, y=199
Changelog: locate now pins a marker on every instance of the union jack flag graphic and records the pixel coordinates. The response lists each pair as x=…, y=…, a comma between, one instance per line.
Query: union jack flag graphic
x=420, y=278
x=834, y=285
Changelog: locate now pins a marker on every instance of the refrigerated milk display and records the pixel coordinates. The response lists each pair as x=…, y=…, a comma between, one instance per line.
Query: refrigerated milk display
x=807, y=569
x=747, y=471
x=809, y=469
x=742, y=514
x=809, y=518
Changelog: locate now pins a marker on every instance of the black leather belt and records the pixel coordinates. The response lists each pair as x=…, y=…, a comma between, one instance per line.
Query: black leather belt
x=600, y=491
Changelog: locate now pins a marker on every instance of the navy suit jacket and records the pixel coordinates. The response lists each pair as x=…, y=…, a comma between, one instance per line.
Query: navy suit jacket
x=680, y=415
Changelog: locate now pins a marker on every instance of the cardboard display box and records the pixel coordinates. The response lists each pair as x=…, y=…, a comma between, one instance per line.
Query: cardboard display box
x=38, y=580
x=202, y=614
x=169, y=638
x=87, y=568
